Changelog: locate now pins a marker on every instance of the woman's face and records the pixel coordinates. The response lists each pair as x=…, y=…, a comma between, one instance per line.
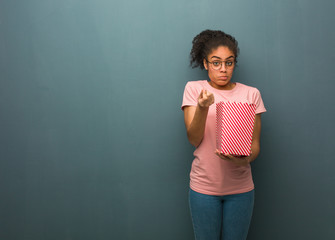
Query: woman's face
x=220, y=64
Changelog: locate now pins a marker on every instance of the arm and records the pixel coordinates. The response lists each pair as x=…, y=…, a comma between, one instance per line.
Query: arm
x=256, y=136
x=255, y=146
x=195, y=117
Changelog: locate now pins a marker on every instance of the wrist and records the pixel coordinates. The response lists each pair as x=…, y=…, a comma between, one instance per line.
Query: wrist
x=203, y=108
x=250, y=158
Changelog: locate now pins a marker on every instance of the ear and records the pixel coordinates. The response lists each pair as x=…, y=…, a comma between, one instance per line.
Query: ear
x=205, y=64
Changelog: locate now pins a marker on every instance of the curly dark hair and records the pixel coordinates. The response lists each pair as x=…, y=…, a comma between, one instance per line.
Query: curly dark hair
x=208, y=40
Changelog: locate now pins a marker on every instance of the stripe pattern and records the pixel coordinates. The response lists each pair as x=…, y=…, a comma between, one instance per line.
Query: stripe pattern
x=234, y=127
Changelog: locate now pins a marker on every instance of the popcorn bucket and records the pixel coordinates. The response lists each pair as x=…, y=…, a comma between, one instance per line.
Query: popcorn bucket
x=234, y=127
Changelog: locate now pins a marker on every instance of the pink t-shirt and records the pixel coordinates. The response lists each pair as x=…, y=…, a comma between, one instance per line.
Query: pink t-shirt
x=210, y=174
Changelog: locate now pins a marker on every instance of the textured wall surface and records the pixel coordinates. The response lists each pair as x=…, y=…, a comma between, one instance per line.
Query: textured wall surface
x=92, y=138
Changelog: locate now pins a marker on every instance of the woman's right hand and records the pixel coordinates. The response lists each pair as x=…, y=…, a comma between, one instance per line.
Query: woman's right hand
x=195, y=117
x=205, y=99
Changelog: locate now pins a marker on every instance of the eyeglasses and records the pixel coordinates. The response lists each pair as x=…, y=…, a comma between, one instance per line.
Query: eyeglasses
x=216, y=65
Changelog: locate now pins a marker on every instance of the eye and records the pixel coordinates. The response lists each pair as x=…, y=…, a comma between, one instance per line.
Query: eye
x=216, y=63
x=229, y=64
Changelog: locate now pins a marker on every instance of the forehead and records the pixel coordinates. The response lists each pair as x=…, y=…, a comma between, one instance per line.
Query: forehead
x=222, y=52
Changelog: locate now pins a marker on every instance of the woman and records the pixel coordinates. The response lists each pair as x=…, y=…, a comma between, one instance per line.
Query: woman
x=221, y=193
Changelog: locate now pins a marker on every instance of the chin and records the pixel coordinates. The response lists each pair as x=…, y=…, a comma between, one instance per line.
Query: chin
x=222, y=82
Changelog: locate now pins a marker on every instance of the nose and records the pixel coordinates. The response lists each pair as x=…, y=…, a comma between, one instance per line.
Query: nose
x=223, y=67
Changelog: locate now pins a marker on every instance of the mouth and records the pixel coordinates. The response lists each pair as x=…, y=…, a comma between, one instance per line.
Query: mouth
x=223, y=77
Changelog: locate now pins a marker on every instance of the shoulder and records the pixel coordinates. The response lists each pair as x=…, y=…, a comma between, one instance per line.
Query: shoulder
x=246, y=87
x=196, y=84
x=191, y=92
x=253, y=95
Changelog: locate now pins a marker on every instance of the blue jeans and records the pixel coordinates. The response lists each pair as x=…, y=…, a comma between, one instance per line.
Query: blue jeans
x=221, y=217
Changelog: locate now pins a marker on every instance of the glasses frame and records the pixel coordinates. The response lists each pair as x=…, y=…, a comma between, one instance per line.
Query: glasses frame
x=227, y=66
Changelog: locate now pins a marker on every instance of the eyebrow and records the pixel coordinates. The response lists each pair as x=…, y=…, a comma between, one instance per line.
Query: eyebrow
x=221, y=58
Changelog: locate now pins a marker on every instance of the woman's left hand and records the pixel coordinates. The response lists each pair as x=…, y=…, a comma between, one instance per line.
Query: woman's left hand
x=240, y=161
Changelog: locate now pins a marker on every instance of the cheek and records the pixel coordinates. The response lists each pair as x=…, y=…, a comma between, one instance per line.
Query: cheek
x=231, y=71
x=211, y=74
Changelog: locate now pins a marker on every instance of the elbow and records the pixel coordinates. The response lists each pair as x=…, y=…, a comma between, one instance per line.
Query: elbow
x=193, y=140
x=195, y=143
x=255, y=150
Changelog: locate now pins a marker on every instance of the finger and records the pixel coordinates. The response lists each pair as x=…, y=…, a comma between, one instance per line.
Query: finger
x=211, y=96
x=221, y=155
x=228, y=156
x=217, y=152
x=201, y=94
x=208, y=94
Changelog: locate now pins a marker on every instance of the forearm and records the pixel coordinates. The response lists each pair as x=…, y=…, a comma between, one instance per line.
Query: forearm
x=195, y=131
x=255, y=149
x=255, y=145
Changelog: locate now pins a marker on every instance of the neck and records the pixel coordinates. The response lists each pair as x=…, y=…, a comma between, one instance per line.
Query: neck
x=228, y=86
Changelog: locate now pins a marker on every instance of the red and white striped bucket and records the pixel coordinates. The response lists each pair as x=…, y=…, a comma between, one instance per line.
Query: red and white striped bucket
x=234, y=127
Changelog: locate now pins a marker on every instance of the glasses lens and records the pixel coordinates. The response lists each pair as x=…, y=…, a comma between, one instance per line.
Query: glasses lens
x=217, y=67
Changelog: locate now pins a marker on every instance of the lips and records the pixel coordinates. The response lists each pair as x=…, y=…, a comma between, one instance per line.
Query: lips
x=223, y=77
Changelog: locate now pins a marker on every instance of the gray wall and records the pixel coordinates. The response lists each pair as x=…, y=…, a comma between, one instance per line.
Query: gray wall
x=92, y=140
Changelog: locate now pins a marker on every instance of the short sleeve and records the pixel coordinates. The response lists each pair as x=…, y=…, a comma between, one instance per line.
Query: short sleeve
x=259, y=102
x=191, y=94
